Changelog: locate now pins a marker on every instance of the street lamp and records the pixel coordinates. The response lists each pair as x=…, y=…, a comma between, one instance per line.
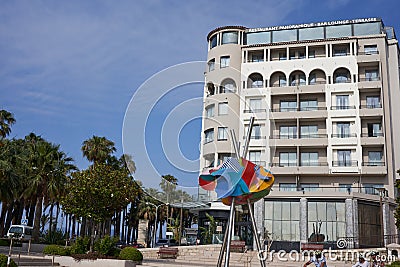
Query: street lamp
x=382, y=193
x=155, y=223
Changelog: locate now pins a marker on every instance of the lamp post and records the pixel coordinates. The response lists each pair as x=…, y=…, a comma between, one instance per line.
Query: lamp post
x=155, y=222
x=382, y=193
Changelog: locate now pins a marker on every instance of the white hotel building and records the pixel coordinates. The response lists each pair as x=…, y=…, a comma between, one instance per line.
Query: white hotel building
x=326, y=102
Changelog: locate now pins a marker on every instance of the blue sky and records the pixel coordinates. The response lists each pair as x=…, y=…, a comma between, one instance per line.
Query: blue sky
x=68, y=69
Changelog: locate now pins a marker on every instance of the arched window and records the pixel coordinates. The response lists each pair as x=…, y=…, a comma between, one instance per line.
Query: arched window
x=255, y=80
x=341, y=75
x=297, y=78
x=210, y=89
x=278, y=79
x=227, y=86
x=317, y=77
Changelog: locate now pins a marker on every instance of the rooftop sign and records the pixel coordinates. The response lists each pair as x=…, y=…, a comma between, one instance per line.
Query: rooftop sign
x=318, y=24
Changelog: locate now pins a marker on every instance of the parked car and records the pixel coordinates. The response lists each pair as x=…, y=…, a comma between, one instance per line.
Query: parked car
x=166, y=243
x=20, y=231
x=122, y=245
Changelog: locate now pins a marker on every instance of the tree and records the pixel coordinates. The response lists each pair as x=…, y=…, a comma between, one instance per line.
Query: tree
x=99, y=192
x=208, y=232
x=6, y=120
x=97, y=149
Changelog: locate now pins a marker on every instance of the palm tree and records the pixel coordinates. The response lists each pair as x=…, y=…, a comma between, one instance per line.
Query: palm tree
x=6, y=120
x=97, y=149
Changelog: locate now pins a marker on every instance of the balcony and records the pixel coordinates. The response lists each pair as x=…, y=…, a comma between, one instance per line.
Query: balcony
x=284, y=140
x=369, y=56
x=345, y=163
x=373, y=167
x=345, y=135
x=369, y=82
x=342, y=107
x=284, y=168
x=372, y=139
x=282, y=113
x=371, y=110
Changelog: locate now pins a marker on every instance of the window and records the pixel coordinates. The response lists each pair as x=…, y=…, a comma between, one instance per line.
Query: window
x=327, y=218
x=213, y=41
x=255, y=157
x=287, y=159
x=288, y=106
x=222, y=133
x=282, y=80
x=343, y=129
x=287, y=187
x=257, y=57
x=227, y=86
x=338, y=31
x=288, y=132
x=309, y=158
x=312, y=79
x=374, y=158
x=210, y=111
x=339, y=52
x=371, y=75
x=344, y=157
x=299, y=79
x=372, y=188
x=255, y=104
x=309, y=187
x=229, y=37
x=256, y=80
x=311, y=54
x=223, y=108
x=370, y=49
x=367, y=28
x=284, y=36
x=345, y=188
x=256, y=132
x=224, y=61
x=209, y=136
x=308, y=105
x=211, y=64
x=282, y=56
x=258, y=38
x=282, y=219
x=309, y=131
x=311, y=33
x=373, y=102
x=374, y=129
x=342, y=102
x=342, y=77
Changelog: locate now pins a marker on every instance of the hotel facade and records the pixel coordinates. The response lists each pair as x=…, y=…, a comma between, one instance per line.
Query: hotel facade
x=326, y=102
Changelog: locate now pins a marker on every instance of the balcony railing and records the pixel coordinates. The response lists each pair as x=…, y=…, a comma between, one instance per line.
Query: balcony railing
x=368, y=79
x=373, y=163
x=371, y=106
x=284, y=109
x=283, y=136
x=297, y=83
x=340, y=54
x=347, y=163
x=312, y=135
x=342, y=107
x=316, y=82
x=259, y=110
x=345, y=135
x=342, y=80
x=260, y=163
x=256, y=137
x=307, y=188
x=363, y=53
x=371, y=134
x=284, y=164
x=313, y=164
x=311, y=108
x=279, y=85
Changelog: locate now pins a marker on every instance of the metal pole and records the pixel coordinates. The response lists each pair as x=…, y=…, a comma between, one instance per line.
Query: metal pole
x=155, y=228
x=235, y=143
x=231, y=225
x=246, y=144
x=253, y=223
x=223, y=248
x=10, y=252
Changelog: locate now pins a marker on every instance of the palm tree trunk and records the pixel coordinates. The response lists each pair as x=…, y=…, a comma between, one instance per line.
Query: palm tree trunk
x=38, y=214
x=51, y=218
x=57, y=215
x=9, y=216
x=83, y=227
x=4, y=208
x=31, y=214
x=73, y=226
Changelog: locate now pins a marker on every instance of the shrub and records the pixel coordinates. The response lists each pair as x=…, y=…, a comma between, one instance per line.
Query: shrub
x=130, y=253
x=56, y=250
x=106, y=246
x=3, y=261
x=54, y=237
x=395, y=264
x=81, y=245
x=4, y=242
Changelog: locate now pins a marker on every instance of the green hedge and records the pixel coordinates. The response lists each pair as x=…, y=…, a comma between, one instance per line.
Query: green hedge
x=3, y=261
x=130, y=253
x=4, y=242
x=394, y=264
x=56, y=250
